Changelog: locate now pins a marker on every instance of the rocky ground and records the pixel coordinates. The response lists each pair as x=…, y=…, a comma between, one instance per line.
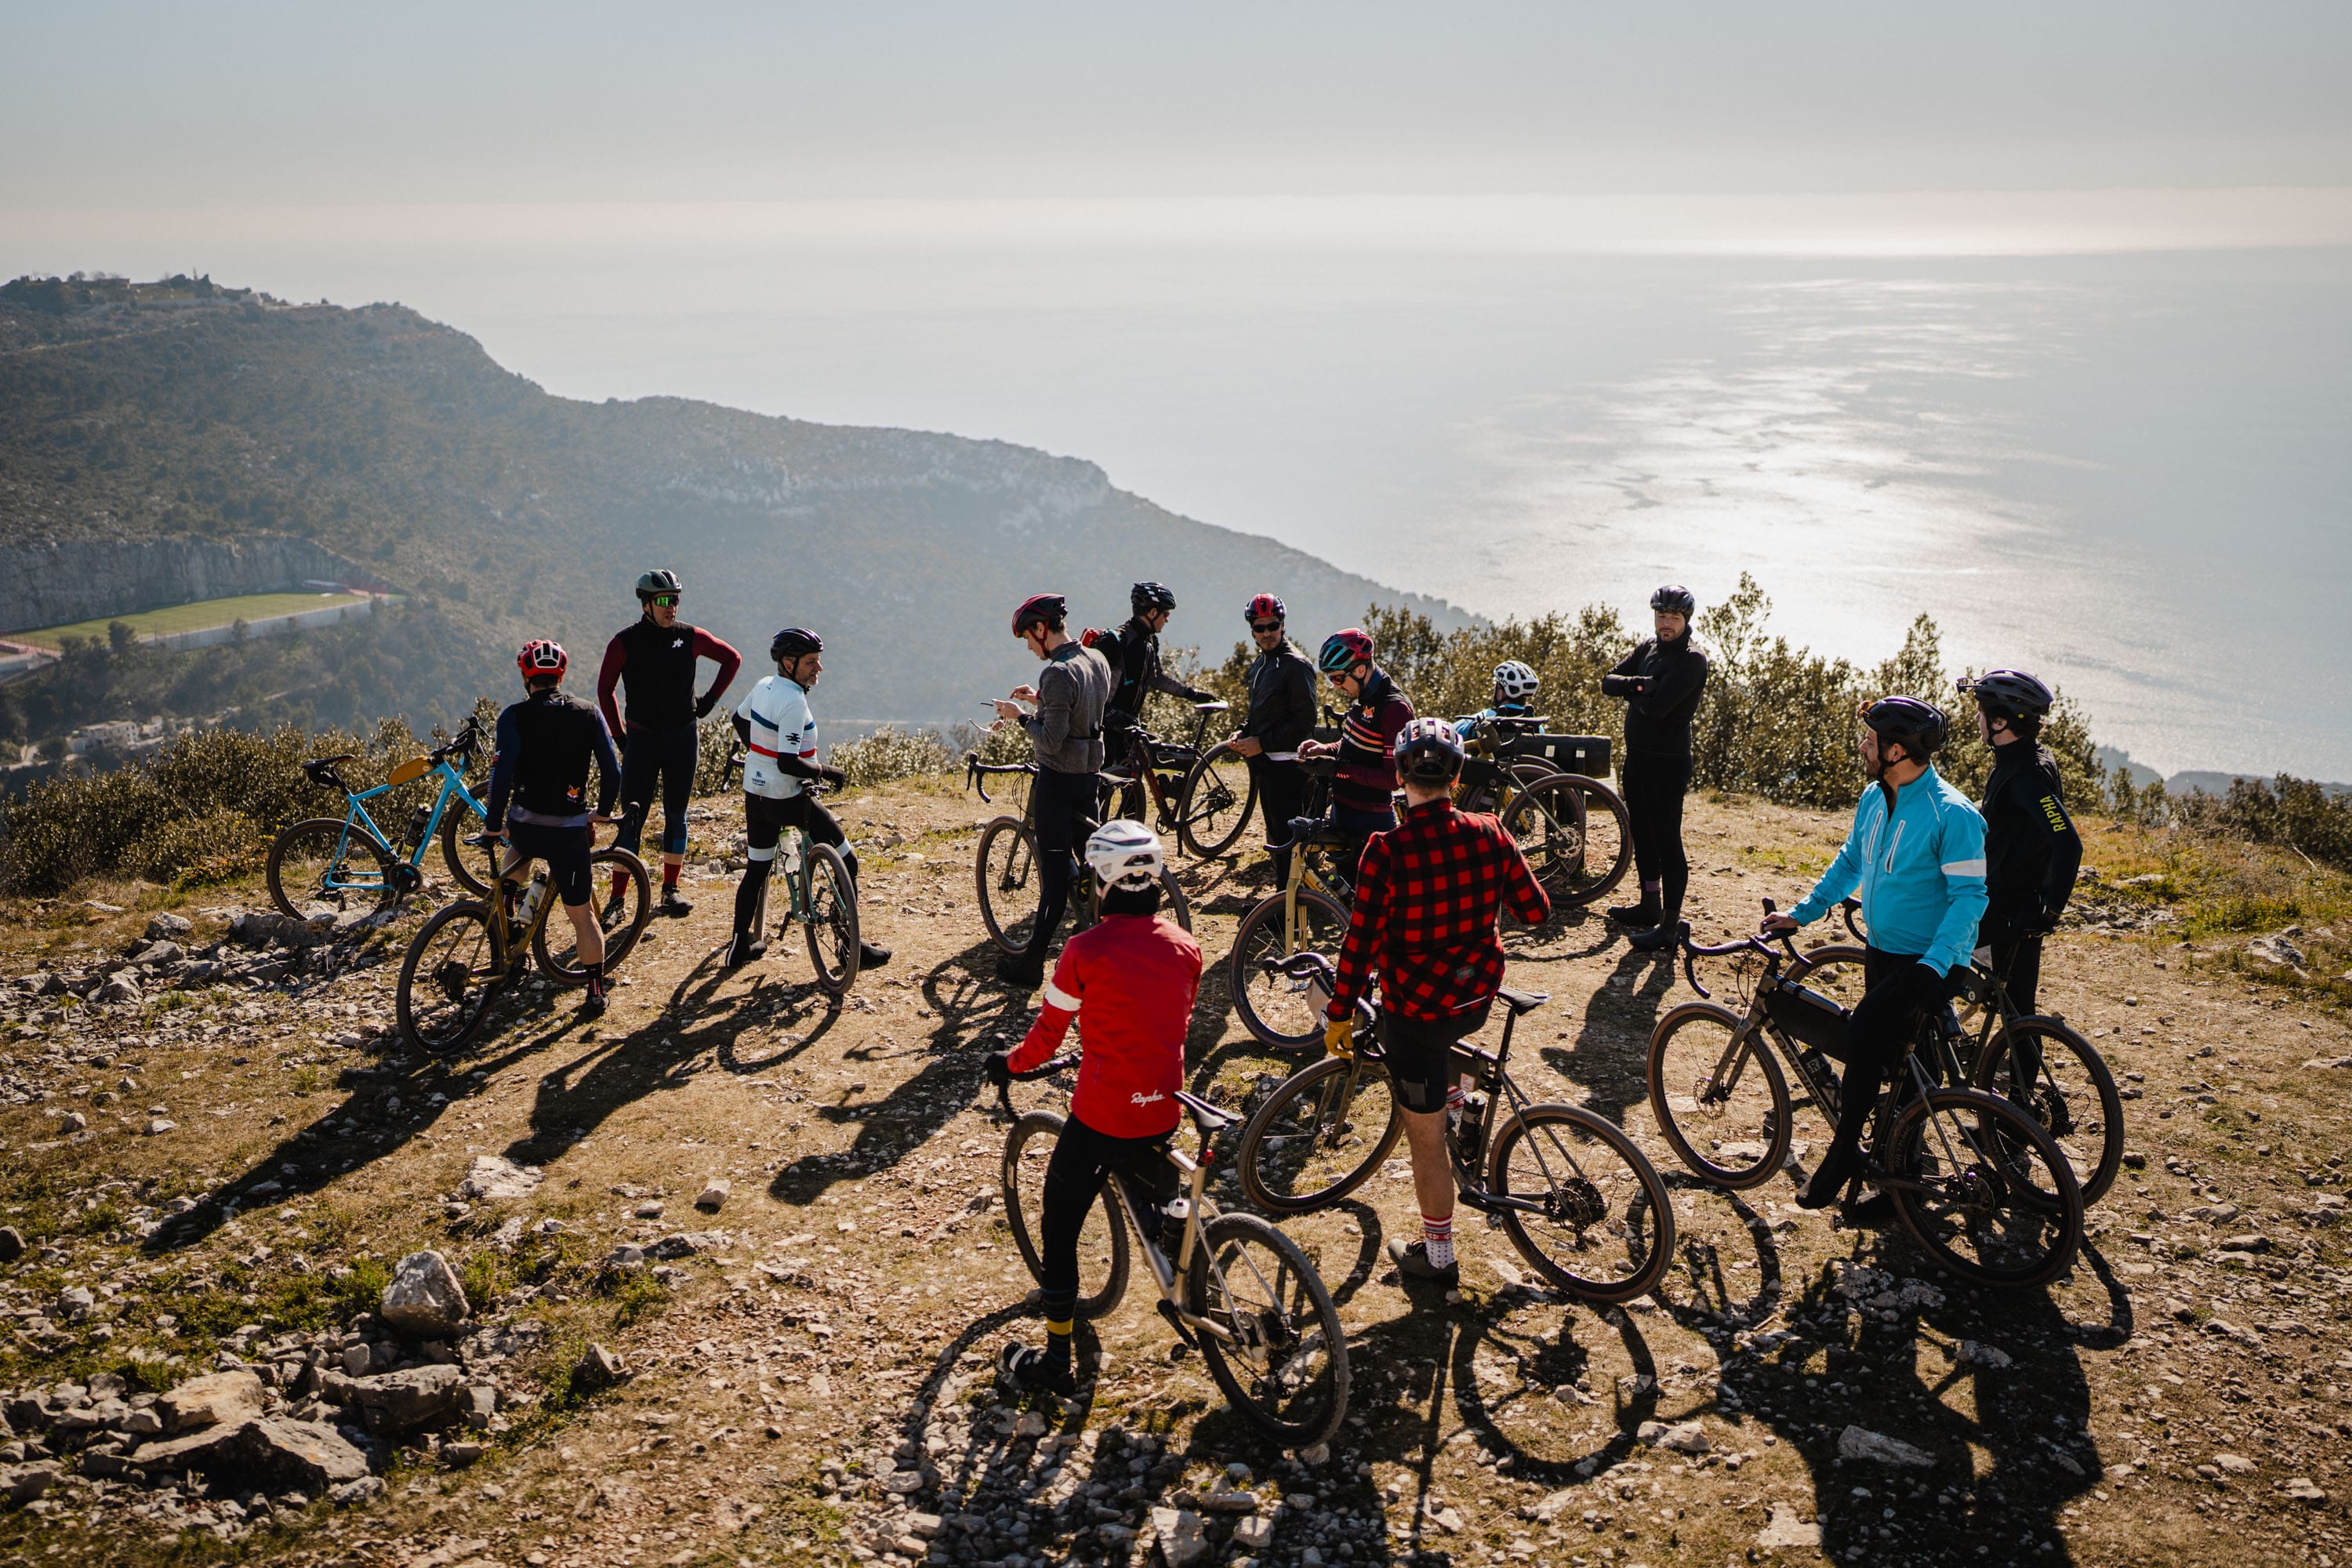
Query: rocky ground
x=721, y=1277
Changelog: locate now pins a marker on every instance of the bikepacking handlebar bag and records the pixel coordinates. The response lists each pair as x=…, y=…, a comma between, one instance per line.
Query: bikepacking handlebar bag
x=1813, y=1020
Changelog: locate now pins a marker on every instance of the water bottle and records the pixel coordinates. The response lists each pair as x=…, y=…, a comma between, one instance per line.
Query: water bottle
x=414, y=836
x=528, y=910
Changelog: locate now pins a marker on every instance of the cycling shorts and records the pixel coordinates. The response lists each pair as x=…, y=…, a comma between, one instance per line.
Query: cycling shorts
x=565, y=850
x=1421, y=1055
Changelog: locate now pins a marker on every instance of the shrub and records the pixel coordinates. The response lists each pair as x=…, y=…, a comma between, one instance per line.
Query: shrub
x=890, y=753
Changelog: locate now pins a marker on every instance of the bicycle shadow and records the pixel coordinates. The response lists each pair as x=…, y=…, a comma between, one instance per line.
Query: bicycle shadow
x=1619, y=1014
x=1698, y=1289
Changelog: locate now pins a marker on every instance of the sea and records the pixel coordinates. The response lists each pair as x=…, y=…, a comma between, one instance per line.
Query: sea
x=2130, y=473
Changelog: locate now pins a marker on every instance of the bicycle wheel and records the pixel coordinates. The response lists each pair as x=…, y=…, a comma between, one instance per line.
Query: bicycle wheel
x=1006, y=872
x=448, y=978
x=1102, y=1243
x=1214, y=803
x=2054, y=1075
x=1172, y=901
x=1319, y=1136
x=557, y=947
x=1285, y=1364
x=1487, y=795
x=457, y=824
x=832, y=924
x=1982, y=1188
x=1275, y=1008
x=1836, y=971
x=327, y=860
x=1725, y=1114
x=1548, y=821
x=1604, y=1224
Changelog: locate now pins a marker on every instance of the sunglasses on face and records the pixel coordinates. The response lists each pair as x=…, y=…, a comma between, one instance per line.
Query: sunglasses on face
x=666, y=601
x=1262, y=628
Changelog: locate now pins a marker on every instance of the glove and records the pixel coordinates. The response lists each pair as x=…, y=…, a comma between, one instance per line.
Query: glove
x=834, y=777
x=706, y=702
x=1339, y=1037
x=998, y=1067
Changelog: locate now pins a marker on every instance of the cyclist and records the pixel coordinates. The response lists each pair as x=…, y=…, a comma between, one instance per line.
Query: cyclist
x=1661, y=681
x=1128, y=984
x=1065, y=731
x=1363, y=786
x=538, y=805
x=1427, y=898
x=1133, y=654
x=1281, y=714
x=1516, y=686
x=780, y=734
x=1916, y=853
x=659, y=748
x=2032, y=850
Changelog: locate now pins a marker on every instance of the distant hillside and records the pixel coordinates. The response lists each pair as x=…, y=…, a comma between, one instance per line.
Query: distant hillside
x=2192, y=779
x=162, y=439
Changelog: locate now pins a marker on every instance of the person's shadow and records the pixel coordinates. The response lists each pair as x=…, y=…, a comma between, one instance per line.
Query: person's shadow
x=1609, y=1054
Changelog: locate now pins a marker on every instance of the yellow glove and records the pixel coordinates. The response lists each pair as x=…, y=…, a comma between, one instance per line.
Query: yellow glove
x=1339, y=1037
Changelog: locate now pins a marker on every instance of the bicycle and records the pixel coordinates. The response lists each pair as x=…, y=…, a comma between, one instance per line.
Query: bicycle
x=1308, y=914
x=1572, y=828
x=2036, y=1061
x=1199, y=799
x=1607, y=1222
x=1237, y=1290
x=340, y=860
x=821, y=895
x=1964, y=1169
x=471, y=951
x=1006, y=860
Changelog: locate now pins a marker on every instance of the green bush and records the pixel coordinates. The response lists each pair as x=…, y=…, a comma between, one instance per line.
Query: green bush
x=891, y=754
x=2294, y=814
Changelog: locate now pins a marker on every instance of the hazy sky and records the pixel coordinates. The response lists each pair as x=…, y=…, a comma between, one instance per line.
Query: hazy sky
x=131, y=106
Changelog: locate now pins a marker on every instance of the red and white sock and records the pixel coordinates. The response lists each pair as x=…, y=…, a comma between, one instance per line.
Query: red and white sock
x=1437, y=1236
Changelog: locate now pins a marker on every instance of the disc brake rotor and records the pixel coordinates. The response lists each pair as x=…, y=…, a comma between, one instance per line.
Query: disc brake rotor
x=1577, y=1202
x=451, y=978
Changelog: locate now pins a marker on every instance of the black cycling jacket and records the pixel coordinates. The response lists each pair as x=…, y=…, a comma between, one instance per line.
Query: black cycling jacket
x=546, y=743
x=2032, y=850
x=1133, y=652
x=1661, y=683
x=1281, y=700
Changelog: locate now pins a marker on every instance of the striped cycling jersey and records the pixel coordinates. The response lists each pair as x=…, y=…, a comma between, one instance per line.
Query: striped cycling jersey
x=781, y=724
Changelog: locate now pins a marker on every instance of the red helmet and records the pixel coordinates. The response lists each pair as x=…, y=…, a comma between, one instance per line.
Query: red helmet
x=1265, y=607
x=1039, y=609
x=542, y=657
x=1344, y=650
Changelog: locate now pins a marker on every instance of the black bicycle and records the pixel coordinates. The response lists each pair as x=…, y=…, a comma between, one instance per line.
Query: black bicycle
x=1236, y=1289
x=1578, y=1198
x=1975, y=1180
x=1203, y=796
x=1005, y=866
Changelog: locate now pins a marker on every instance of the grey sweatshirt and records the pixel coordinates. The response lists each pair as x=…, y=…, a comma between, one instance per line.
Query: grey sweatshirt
x=1068, y=728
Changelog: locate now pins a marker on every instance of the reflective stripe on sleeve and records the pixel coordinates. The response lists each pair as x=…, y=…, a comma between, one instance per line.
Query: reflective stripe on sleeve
x=1057, y=997
x=1964, y=867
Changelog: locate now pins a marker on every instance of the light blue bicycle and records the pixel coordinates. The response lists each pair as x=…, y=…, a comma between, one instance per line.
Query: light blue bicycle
x=349, y=862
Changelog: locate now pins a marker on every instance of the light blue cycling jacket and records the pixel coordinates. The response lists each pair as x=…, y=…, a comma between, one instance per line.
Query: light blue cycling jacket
x=1920, y=871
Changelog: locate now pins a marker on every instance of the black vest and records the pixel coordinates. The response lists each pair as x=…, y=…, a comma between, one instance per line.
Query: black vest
x=658, y=676
x=555, y=742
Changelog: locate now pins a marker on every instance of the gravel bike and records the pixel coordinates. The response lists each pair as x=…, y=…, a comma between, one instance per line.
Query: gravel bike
x=819, y=892
x=2036, y=1061
x=1572, y=827
x=471, y=952
x=1202, y=797
x=1578, y=1198
x=1975, y=1180
x=349, y=860
x=1308, y=914
x=1005, y=866
x=1236, y=1289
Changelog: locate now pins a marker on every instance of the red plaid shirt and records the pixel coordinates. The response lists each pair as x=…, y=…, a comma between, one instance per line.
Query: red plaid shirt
x=1427, y=897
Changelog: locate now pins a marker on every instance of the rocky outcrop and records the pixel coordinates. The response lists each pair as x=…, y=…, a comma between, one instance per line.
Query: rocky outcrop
x=50, y=585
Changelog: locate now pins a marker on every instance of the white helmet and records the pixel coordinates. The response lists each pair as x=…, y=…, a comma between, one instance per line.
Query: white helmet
x=1515, y=682
x=1124, y=854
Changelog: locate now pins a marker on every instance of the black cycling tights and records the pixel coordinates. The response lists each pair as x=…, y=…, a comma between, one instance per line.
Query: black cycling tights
x=1082, y=1158
x=1884, y=1023
x=765, y=820
x=1654, y=784
x=1063, y=807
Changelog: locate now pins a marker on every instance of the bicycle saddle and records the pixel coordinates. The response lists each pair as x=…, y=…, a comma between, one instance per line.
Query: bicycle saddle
x=319, y=767
x=1523, y=1001
x=1208, y=1116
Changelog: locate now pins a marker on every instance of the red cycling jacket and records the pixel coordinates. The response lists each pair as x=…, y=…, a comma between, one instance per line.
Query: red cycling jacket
x=1130, y=982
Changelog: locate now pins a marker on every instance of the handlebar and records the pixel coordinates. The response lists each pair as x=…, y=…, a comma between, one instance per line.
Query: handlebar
x=1691, y=950
x=1849, y=908
x=974, y=771
x=465, y=742
x=1063, y=1063
x=1315, y=967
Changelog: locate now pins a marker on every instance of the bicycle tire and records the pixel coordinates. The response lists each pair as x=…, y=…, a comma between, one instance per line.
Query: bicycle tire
x=1317, y=1107
x=621, y=932
x=1288, y=1317
x=1760, y=1121
x=1105, y=1249
x=444, y=1031
x=1578, y=854
x=1589, y=1216
x=832, y=920
x=324, y=848
x=1523, y=772
x=1196, y=822
x=454, y=822
x=1172, y=901
x=2049, y=1101
x=2056, y=1212
x=1273, y=1006
x=1009, y=840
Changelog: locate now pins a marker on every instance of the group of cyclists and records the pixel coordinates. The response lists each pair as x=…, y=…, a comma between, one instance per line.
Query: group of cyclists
x=1940, y=879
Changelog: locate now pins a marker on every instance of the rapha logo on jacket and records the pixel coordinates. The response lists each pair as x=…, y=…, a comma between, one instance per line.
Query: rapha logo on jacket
x=1140, y=1098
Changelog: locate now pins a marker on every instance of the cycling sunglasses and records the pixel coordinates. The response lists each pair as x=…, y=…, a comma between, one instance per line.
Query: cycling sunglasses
x=1263, y=626
x=667, y=601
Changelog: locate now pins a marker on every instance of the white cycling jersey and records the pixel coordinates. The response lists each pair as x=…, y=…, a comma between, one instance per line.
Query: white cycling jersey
x=780, y=721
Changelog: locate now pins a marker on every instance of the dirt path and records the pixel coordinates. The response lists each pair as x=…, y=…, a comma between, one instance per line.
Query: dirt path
x=829, y=1326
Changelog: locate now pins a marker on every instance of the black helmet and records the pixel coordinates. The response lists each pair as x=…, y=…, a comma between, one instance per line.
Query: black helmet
x=792, y=642
x=1149, y=596
x=1040, y=609
x=1675, y=598
x=660, y=581
x=1919, y=728
x=2008, y=693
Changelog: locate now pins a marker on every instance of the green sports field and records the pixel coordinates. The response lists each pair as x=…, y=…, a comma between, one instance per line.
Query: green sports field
x=193, y=618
